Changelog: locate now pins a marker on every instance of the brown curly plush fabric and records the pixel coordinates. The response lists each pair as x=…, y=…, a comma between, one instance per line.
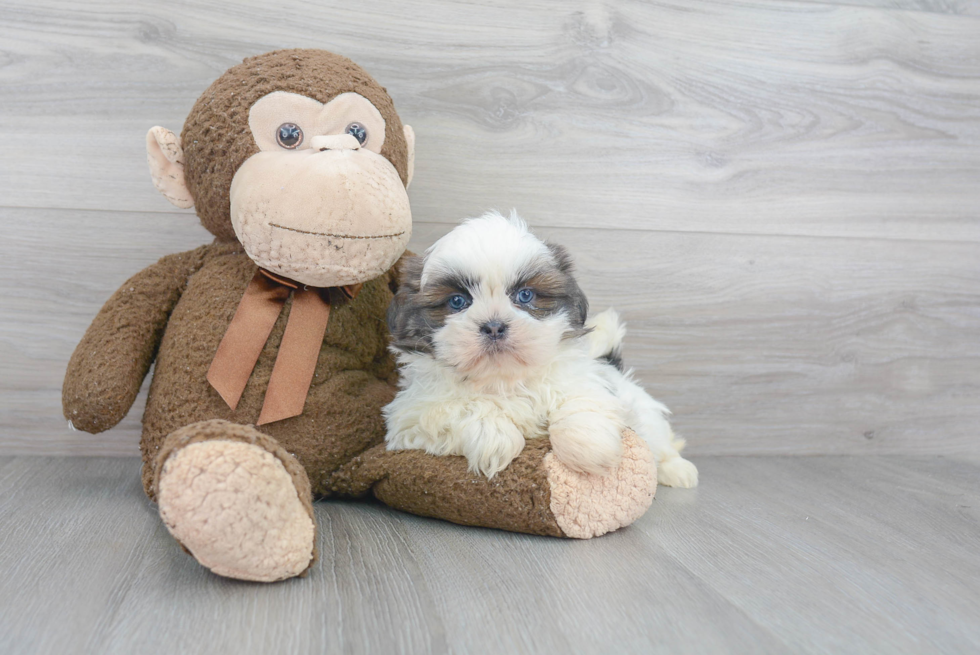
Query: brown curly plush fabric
x=353, y=379
x=517, y=499
x=212, y=135
x=108, y=366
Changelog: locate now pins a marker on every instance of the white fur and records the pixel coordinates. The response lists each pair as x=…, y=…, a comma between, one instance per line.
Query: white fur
x=468, y=398
x=647, y=417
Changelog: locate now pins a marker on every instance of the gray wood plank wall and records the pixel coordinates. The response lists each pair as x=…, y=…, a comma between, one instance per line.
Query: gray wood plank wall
x=782, y=198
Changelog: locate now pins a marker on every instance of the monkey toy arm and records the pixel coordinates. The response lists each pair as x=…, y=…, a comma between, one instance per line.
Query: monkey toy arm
x=535, y=494
x=108, y=366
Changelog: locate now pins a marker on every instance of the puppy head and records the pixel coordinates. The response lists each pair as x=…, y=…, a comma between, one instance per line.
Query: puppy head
x=489, y=299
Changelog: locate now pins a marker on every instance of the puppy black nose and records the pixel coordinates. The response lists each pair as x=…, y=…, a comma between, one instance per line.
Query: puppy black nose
x=494, y=329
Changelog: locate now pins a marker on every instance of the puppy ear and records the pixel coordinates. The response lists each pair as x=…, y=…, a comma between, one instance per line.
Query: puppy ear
x=406, y=323
x=562, y=258
x=575, y=302
x=395, y=272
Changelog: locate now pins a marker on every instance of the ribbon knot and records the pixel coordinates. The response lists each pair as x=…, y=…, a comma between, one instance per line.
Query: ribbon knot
x=249, y=331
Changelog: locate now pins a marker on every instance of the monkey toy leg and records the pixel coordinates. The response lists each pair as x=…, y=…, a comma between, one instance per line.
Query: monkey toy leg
x=237, y=501
x=241, y=505
x=536, y=494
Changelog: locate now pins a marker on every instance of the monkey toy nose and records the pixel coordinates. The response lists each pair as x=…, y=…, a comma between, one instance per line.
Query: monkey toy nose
x=334, y=142
x=494, y=329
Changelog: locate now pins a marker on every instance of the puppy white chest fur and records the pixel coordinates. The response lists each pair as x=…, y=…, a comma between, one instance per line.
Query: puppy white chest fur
x=487, y=420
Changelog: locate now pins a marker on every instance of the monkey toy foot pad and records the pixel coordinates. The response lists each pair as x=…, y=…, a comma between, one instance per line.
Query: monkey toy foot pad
x=233, y=504
x=587, y=506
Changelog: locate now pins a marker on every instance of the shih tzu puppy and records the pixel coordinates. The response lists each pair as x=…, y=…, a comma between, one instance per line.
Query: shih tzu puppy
x=491, y=333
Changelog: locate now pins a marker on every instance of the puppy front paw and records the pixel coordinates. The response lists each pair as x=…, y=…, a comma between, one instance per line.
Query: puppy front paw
x=587, y=441
x=677, y=472
x=490, y=445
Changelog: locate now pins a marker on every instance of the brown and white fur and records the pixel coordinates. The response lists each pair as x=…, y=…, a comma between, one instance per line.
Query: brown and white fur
x=491, y=333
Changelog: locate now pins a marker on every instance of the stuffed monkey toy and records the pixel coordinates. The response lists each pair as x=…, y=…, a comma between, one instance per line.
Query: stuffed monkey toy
x=270, y=343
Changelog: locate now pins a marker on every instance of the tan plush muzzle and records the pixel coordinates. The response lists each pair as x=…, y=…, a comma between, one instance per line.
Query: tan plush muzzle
x=351, y=230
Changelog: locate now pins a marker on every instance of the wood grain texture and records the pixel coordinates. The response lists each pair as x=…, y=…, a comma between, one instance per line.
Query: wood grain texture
x=741, y=117
x=759, y=345
x=781, y=198
x=956, y=7
x=769, y=555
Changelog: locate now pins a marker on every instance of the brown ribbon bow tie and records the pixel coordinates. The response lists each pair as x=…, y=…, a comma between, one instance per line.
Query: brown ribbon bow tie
x=249, y=330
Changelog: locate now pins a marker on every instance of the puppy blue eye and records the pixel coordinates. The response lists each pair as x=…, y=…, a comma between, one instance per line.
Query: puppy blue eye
x=458, y=302
x=524, y=296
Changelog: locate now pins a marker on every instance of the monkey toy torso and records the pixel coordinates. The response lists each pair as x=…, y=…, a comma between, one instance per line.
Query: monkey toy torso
x=353, y=379
x=298, y=164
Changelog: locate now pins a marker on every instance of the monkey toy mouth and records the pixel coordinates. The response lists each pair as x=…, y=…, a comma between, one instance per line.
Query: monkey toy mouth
x=337, y=236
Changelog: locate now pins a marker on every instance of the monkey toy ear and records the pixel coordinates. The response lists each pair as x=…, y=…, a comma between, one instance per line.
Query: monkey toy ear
x=410, y=143
x=166, y=160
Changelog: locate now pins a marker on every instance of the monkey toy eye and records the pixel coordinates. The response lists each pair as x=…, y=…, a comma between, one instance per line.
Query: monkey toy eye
x=289, y=135
x=524, y=296
x=458, y=302
x=357, y=131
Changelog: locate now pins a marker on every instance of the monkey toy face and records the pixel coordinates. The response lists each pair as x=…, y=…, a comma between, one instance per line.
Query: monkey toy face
x=300, y=156
x=319, y=203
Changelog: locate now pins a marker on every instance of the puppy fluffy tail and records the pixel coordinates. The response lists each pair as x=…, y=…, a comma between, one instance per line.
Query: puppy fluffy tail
x=606, y=337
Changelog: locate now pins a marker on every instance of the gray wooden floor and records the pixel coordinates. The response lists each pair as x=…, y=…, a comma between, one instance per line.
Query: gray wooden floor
x=778, y=554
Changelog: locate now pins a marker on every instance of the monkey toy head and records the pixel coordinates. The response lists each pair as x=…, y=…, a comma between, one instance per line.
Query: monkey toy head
x=299, y=155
